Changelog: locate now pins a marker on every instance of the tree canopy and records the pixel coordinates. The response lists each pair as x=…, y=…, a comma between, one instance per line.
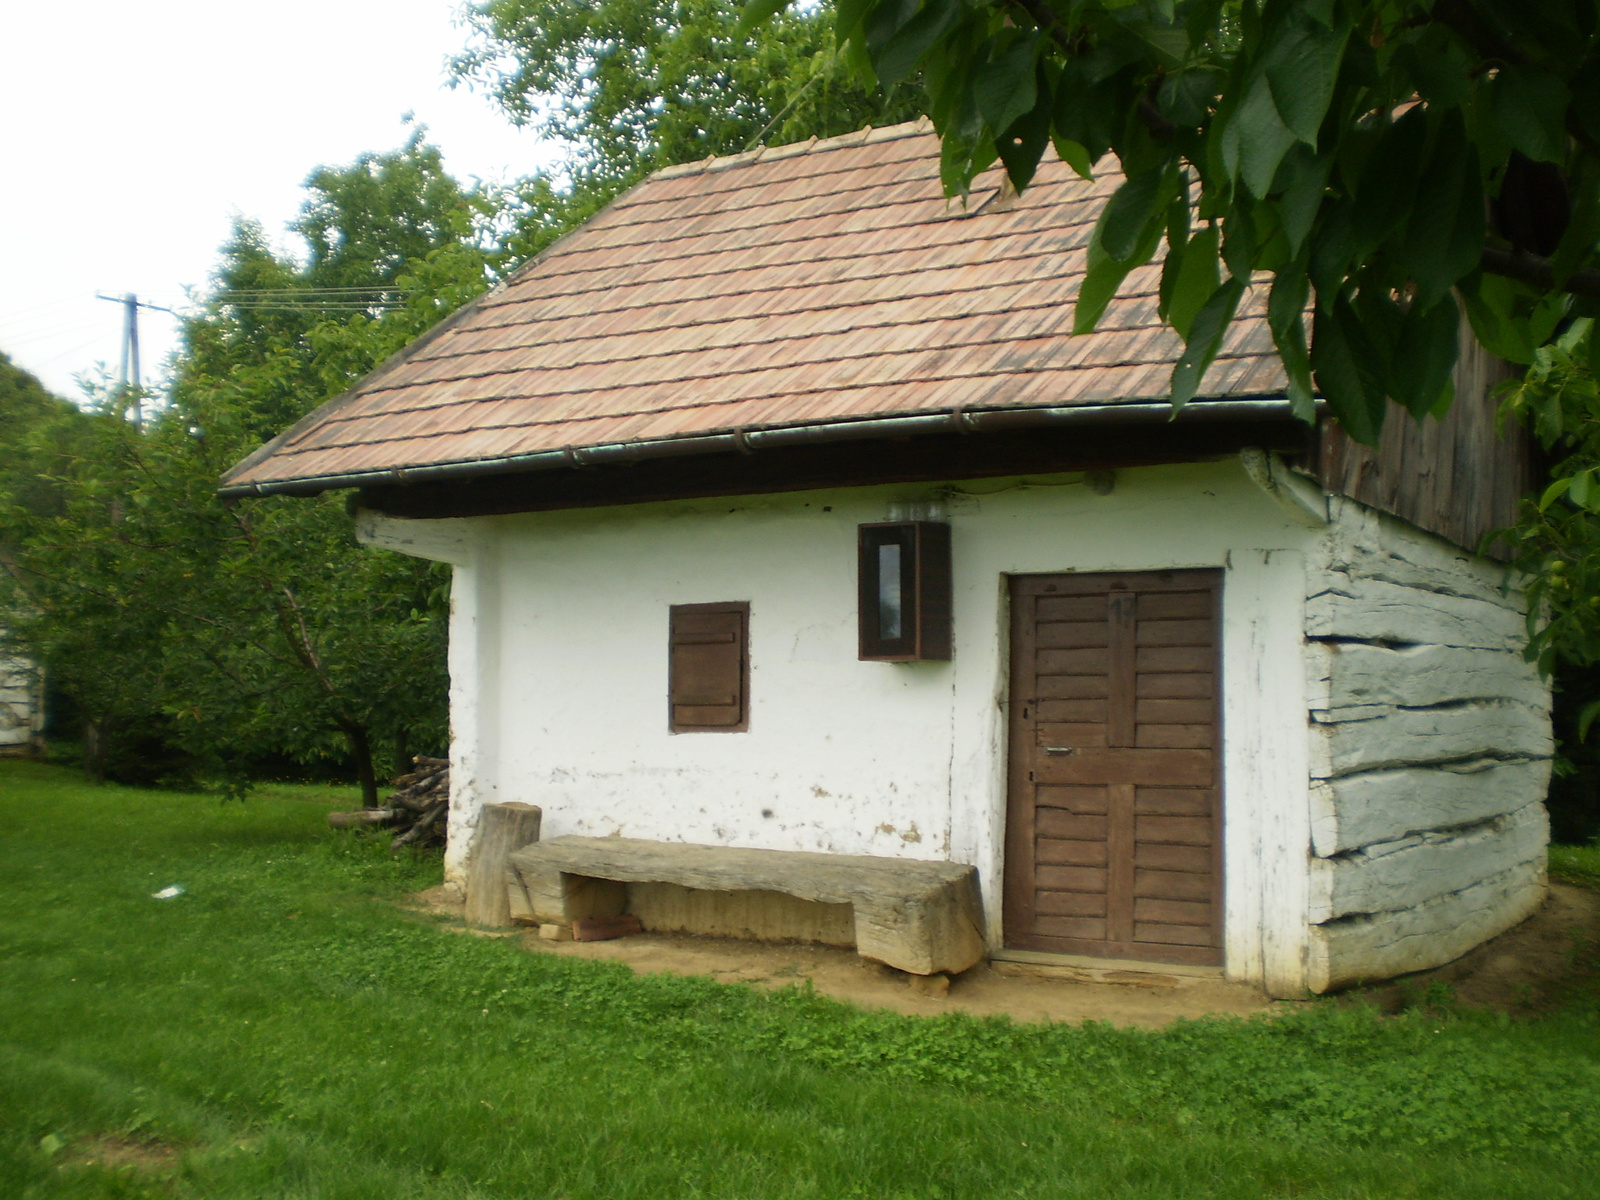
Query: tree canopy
x=1387, y=162
x=632, y=85
x=195, y=637
x=235, y=634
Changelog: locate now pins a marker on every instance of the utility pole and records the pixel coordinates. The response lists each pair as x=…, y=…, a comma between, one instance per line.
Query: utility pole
x=131, y=379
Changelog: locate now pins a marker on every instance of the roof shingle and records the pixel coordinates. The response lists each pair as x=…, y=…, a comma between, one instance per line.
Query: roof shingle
x=824, y=281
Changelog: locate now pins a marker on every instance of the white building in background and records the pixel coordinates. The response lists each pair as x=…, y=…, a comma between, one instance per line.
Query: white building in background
x=21, y=705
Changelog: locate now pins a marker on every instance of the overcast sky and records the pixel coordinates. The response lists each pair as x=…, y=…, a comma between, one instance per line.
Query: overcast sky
x=135, y=132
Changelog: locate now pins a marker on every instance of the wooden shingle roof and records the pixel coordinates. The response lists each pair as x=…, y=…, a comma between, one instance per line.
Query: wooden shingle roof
x=822, y=282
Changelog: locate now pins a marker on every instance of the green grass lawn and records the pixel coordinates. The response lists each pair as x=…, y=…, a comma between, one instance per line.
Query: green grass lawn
x=1576, y=864
x=292, y=1033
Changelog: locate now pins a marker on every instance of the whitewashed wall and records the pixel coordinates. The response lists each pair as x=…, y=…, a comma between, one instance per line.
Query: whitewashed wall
x=1430, y=752
x=21, y=704
x=559, y=673
x=1386, y=749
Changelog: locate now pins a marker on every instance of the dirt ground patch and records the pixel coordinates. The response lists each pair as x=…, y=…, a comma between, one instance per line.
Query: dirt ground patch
x=120, y=1153
x=1525, y=970
x=1528, y=969
x=1022, y=991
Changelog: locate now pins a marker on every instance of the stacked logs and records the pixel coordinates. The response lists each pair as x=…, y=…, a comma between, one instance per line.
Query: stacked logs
x=418, y=810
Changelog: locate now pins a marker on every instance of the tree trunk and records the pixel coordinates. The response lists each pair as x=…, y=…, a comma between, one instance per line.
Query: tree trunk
x=402, y=750
x=361, y=751
x=94, y=750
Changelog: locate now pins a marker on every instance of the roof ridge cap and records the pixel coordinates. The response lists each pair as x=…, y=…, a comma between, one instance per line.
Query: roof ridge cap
x=866, y=135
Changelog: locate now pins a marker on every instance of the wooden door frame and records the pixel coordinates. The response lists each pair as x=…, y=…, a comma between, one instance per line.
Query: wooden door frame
x=1018, y=835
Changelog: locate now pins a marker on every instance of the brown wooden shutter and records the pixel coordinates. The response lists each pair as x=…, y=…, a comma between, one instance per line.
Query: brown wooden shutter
x=709, y=670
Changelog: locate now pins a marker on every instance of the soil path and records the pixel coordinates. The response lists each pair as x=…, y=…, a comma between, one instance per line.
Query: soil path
x=1522, y=970
x=1024, y=992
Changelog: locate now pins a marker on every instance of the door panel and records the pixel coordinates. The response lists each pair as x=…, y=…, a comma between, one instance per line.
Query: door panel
x=1114, y=818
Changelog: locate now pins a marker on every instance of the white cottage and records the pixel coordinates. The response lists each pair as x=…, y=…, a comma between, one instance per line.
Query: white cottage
x=785, y=515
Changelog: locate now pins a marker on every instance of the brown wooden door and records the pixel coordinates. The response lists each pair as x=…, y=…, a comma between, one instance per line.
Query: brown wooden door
x=1114, y=819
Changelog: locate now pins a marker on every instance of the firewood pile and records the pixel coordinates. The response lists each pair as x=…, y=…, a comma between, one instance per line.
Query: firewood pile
x=418, y=810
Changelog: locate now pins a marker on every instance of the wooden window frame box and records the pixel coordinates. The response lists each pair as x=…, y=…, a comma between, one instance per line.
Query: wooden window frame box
x=924, y=617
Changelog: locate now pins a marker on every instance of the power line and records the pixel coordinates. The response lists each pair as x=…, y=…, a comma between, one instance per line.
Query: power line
x=132, y=387
x=310, y=291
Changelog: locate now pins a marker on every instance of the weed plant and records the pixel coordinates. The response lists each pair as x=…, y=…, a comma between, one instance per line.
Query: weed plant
x=293, y=1033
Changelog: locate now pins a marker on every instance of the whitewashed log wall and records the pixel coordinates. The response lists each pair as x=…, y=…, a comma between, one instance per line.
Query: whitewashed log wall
x=21, y=704
x=1430, y=752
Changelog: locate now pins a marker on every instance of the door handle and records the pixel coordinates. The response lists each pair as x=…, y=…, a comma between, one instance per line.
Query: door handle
x=1060, y=749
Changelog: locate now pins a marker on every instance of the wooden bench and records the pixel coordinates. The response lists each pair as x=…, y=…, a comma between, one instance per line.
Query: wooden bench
x=922, y=917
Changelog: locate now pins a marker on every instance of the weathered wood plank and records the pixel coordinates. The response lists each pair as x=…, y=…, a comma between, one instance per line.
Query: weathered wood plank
x=1414, y=737
x=1349, y=675
x=1373, y=545
x=1347, y=951
x=1389, y=876
x=1374, y=610
x=502, y=828
x=1383, y=806
x=1458, y=477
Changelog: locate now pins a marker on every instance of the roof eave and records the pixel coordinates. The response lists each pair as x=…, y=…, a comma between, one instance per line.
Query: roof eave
x=751, y=441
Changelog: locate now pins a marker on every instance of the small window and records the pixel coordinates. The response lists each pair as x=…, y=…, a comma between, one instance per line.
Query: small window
x=709, y=669
x=904, y=579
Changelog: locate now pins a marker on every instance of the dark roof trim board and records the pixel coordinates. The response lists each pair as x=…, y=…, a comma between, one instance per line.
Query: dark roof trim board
x=750, y=441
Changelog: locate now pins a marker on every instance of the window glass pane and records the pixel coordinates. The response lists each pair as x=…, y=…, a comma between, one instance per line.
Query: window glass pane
x=889, y=614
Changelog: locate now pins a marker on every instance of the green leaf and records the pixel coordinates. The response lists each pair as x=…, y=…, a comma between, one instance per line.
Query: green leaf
x=1239, y=245
x=1186, y=97
x=1440, y=64
x=1205, y=339
x=849, y=16
x=1005, y=87
x=1530, y=107
x=1168, y=44
x=1286, y=308
x=1424, y=358
x=1201, y=17
x=1105, y=274
x=960, y=162
x=1198, y=277
x=1333, y=248
x=1444, y=238
x=1076, y=156
x=1301, y=65
x=898, y=39
x=1128, y=212
x=1302, y=182
x=1022, y=145
x=759, y=12
x=1510, y=320
x=1583, y=226
x=1090, y=108
x=1254, y=139
x=1177, y=239
x=1345, y=363
x=1554, y=492
x=1388, y=181
x=1582, y=493
x=1586, y=716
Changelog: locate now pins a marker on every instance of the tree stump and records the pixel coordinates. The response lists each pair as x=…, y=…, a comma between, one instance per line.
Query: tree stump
x=502, y=829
